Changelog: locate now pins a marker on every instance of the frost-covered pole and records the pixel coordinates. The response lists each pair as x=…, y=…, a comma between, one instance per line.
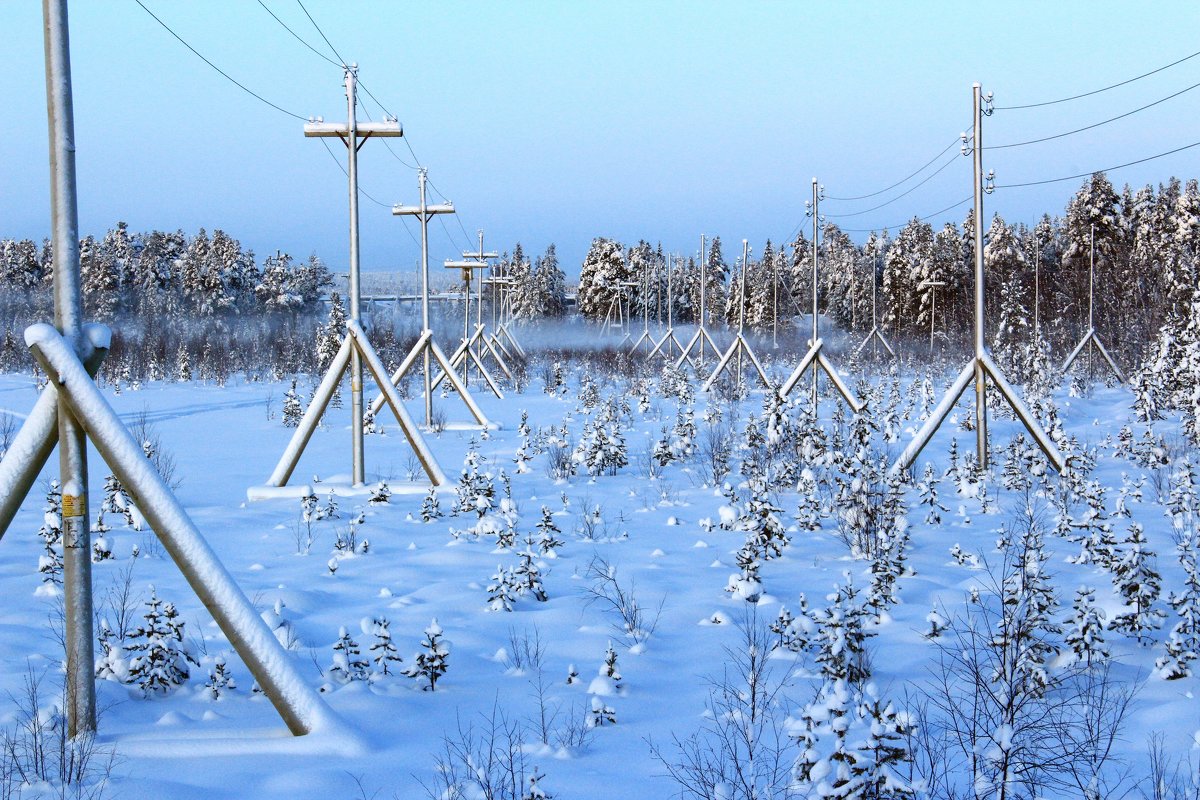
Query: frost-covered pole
x=981, y=367
x=980, y=374
x=703, y=289
x=1037, y=290
x=358, y=467
x=742, y=305
x=68, y=318
x=424, y=212
x=422, y=176
x=354, y=135
x=816, y=215
x=1091, y=276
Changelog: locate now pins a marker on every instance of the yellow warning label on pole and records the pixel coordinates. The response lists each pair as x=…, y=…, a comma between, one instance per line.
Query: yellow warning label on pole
x=72, y=505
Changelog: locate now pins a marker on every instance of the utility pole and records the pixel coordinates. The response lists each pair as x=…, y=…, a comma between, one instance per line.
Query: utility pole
x=981, y=366
x=815, y=357
x=464, y=354
x=932, y=286
x=739, y=347
x=1037, y=290
x=71, y=410
x=701, y=337
x=1091, y=335
x=68, y=318
x=354, y=136
x=668, y=344
x=356, y=347
x=644, y=297
x=875, y=335
x=426, y=348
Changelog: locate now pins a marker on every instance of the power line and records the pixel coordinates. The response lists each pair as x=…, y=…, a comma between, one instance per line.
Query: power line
x=364, y=193
x=905, y=178
x=361, y=191
x=1098, y=91
x=385, y=110
x=457, y=218
x=386, y=144
x=297, y=36
x=1093, y=172
x=897, y=197
x=902, y=224
x=321, y=32
x=1093, y=125
x=222, y=72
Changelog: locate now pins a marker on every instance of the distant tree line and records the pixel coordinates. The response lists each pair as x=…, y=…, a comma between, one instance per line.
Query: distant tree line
x=1147, y=245
x=187, y=304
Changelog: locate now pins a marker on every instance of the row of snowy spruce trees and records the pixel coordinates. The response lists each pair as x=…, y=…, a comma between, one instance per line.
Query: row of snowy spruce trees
x=1147, y=244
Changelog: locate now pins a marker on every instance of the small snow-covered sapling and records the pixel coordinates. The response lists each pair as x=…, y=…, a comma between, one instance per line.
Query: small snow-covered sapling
x=432, y=662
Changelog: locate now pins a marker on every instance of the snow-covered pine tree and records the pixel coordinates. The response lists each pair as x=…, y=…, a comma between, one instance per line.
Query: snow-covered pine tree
x=183, y=365
x=527, y=576
x=808, y=509
x=502, y=591
x=1085, y=627
x=795, y=632
x=291, y=407
x=476, y=491
x=434, y=659
x=431, y=509
x=348, y=664
x=551, y=284
x=219, y=680
x=50, y=563
x=1183, y=643
x=600, y=278
x=1137, y=581
x=383, y=652
x=548, y=533
x=842, y=635
x=1093, y=530
x=927, y=490
x=160, y=659
x=601, y=714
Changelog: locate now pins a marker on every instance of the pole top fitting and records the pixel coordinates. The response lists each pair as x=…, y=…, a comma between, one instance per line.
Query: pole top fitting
x=976, y=85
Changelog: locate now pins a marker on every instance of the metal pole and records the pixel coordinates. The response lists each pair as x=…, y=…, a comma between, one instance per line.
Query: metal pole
x=703, y=292
x=68, y=318
x=980, y=375
x=466, y=321
x=742, y=306
x=421, y=176
x=932, y=315
x=816, y=222
x=874, y=319
x=1037, y=263
x=775, y=303
x=1091, y=275
x=670, y=296
x=356, y=370
x=479, y=305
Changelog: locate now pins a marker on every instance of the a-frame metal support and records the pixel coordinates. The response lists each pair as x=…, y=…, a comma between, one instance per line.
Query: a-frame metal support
x=875, y=335
x=701, y=337
x=71, y=411
x=739, y=347
x=426, y=348
x=355, y=343
x=667, y=345
x=1091, y=335
x=981, y=367
x=815, y=358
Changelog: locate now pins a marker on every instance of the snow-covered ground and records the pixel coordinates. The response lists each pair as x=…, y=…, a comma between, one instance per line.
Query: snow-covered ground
x=661, y=534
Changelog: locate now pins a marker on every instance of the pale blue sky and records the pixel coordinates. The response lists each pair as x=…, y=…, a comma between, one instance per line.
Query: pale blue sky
x=563, y=121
